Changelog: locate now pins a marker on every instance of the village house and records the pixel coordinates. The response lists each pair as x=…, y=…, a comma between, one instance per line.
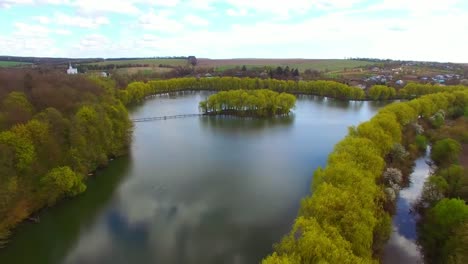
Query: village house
x=400, y=82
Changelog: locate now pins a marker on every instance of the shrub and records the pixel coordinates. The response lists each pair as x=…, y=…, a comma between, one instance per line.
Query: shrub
x=446, y=151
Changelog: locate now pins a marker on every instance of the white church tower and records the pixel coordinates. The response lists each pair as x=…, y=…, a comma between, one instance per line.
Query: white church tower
x=72, y=70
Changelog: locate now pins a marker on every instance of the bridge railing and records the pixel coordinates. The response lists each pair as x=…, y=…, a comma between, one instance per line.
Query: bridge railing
x=155, y=118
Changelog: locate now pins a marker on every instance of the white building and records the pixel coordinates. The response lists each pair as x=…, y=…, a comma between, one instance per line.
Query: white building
x=72, y=70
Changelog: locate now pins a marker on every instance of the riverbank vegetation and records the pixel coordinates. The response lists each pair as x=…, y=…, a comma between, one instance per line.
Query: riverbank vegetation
x=54, y=130
x=344, y=220
x=260, y=103
x=137, y=91
x=443, y=227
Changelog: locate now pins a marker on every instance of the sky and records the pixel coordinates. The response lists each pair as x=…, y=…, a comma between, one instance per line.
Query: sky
x=426, y=30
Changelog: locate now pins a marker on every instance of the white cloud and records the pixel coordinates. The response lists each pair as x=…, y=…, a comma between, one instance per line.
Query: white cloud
x=419, y=32
x=196, y=20
x=30, y=40
x=201, y=4
x=80, y=21
x=416, y=6
x=234, y=12
x=23, y=29
x=327, y=36
x=93, y=41
x=63, y=32
x=336, y=4
x=286, y=8
x=10, y=3
x=106, y=6
x=159, y=22
x=42, y=19
x=128, y=7
x=165, y=3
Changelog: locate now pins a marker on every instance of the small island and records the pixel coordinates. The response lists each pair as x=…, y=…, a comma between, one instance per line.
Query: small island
x=255, y=103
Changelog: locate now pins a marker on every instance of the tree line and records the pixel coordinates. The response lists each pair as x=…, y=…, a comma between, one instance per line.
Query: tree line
x=412, y=90
x=54, y=130
x=137, y=91
x=261, y=103
x=344, y=220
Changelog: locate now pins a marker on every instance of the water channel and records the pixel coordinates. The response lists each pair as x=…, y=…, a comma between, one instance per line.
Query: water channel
x=402, y=246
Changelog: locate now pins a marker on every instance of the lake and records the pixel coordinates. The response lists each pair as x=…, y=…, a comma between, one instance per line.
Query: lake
x=193, y=190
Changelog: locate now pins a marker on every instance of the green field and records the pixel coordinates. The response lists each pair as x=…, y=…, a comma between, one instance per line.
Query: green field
x=225, y=64
x=302, y=65
x=151, y=62
x=7, y=64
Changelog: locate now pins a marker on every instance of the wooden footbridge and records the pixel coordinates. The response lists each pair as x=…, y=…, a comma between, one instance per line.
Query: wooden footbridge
x=157, y=118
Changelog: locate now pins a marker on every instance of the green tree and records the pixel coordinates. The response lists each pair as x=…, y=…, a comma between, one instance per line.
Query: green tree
x=435, y=189
x=421, y=142
x=446, y=151
x=61, y=181
x=439, y=226
x=454, y=176
x=16, y=109
x=312, y=242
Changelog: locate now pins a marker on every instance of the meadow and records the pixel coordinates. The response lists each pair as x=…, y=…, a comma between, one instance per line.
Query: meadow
x=300, y=64
x=12, y=63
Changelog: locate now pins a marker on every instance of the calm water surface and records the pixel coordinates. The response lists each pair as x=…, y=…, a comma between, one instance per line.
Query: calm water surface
x=402, y=246
x=193, y=190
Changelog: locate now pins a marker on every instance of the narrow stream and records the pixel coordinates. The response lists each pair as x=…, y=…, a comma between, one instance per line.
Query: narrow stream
x=402, y=246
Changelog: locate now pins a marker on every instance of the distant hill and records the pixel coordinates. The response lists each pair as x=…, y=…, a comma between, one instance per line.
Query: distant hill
x=57, y=61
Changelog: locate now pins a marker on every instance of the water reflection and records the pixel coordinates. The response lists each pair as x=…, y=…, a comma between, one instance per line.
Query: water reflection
x=402, y=246
x=52, y=239
x=234, y=125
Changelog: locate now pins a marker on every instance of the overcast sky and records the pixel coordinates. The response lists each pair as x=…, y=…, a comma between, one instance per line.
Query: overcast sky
x=433, y=30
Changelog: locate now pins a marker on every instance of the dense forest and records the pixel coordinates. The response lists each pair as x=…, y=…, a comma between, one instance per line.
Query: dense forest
x=54, y=130
x=346, y=218
x=260, y=103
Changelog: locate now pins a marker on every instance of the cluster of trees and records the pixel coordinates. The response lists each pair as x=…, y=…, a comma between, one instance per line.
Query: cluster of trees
x=344, y=219
x=412, y=90
x=249, y=102
x=137, y=91
x=54, y=130
x=381, y=92
x=286, y=73
x=443, y=234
